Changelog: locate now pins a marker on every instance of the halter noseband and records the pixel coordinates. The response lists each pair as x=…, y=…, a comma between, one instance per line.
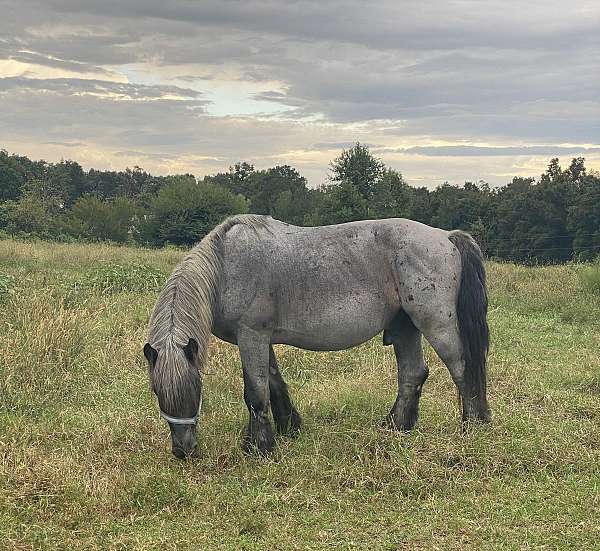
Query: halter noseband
x=182, y=420
x=179, y=420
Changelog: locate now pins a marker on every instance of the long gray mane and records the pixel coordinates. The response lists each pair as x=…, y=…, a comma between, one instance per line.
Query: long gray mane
x=184, y=310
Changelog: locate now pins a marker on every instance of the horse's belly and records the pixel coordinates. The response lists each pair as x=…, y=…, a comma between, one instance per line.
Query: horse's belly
x=332, y=325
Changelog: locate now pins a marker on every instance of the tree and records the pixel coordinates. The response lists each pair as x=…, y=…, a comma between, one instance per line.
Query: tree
x=93, y=218
x=339, y=203
x=420, y=205
x=30, y=214
x=359, y=168
x=183, y=213
x=454, y=207
x=103, y=184
x=235, y=180
x=67, y=180
x=12, y=177
x=391, y=196
x=583, y=217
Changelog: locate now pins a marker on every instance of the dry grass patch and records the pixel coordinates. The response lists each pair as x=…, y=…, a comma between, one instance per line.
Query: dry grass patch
x=85, y=462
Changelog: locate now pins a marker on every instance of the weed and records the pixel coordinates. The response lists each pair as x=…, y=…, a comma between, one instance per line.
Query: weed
x=7, y=286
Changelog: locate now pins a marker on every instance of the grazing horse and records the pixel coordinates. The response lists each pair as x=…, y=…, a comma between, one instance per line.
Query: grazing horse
x=254, y=281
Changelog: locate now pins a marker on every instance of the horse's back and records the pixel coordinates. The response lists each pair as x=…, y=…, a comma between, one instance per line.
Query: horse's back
x=329, y=287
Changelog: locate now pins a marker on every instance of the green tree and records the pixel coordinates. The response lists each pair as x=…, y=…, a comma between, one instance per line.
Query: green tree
x=182, y=213
x=454, y=207
x=391, y=196
x=280, y=191
x=106, y=220
x=359, y=168
x=583, y=218
x=30, y=214
x=420, y=205
x=339, y=203
x=12, y=177
x=236, y=180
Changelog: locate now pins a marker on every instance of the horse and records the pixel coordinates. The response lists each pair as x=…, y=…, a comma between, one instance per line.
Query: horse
x=254, y=281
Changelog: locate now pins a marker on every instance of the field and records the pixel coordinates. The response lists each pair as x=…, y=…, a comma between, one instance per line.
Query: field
x=85, y=461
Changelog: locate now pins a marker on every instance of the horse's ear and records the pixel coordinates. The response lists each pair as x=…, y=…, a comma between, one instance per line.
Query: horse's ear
x=150, y=353
x=191, y=350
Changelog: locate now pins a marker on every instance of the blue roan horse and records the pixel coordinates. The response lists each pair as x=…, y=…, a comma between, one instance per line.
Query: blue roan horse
x=254, y=281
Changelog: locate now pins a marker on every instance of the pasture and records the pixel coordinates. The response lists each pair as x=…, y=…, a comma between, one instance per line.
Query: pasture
x=85, y=461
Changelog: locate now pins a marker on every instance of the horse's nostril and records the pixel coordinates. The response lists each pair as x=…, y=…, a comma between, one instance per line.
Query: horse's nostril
x=179, y=453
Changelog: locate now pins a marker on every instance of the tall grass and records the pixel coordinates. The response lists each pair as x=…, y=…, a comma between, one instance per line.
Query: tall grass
x=85, y=462
x=590, y=277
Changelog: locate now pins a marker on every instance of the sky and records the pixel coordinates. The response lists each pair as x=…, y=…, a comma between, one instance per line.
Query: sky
x=441, y=91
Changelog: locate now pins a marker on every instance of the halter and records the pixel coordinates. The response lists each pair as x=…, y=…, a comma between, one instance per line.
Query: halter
x=179, y=420
x=182, y=420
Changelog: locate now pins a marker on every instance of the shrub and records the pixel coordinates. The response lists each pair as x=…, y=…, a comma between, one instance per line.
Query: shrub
x=90, y=217
x=183, y=213
x=590, y=277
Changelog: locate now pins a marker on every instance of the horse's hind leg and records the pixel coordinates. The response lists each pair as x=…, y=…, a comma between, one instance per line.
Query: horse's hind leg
x=254, y=352
x=412, y=371
x=444, y=337
x=287, y=419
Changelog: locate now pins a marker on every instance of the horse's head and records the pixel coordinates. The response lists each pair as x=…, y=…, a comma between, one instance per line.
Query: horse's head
x=175, y=379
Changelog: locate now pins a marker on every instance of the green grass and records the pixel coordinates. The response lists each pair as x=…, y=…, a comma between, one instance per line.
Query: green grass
x=590, y=277
x=85, y=460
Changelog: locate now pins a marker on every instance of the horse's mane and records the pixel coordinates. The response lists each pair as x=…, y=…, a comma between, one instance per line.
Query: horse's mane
x=184, y=310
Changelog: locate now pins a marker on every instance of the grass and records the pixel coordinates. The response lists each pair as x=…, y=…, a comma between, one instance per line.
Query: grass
x=590, y=277
x=85, y=460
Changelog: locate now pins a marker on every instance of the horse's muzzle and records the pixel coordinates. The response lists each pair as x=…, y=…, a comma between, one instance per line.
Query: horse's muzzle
x=180, y=453
x=183, y=439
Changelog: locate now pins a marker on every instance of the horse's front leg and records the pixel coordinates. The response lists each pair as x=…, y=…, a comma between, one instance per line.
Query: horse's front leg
x=254, y=352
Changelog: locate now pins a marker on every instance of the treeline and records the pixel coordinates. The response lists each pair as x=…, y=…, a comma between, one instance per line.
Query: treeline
x=553, y=219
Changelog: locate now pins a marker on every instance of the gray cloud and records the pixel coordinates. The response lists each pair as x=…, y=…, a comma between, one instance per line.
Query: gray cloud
x=66, y=144
x=74, y=86
x=336, y=146
x=390, y=73
x=478, y=151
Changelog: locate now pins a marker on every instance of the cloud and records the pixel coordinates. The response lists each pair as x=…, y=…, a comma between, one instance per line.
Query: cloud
x=66, y=144
x=209, y=83
x=499, y=151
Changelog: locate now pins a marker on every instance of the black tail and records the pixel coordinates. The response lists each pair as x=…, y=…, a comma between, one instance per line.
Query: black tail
x=472, y=305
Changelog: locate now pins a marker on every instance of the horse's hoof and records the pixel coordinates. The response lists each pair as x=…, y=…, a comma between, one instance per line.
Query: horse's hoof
x=262, y=442
x=484, y=418
x=252, y=448
x=390, y=423
x=292, y=426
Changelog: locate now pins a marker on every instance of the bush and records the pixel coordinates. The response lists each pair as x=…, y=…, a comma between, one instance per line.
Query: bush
x=109, y=220
x=183, y=213
x=590, y=277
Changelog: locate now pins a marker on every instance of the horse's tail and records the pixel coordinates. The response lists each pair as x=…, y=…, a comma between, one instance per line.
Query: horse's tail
x=472, y=305
x=185, y=307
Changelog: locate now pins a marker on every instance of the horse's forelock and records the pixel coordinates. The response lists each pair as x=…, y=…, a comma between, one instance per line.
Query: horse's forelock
x=175, y=380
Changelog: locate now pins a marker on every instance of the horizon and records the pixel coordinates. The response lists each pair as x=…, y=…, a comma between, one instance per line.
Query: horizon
x=447, y=92
x=326, y=180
